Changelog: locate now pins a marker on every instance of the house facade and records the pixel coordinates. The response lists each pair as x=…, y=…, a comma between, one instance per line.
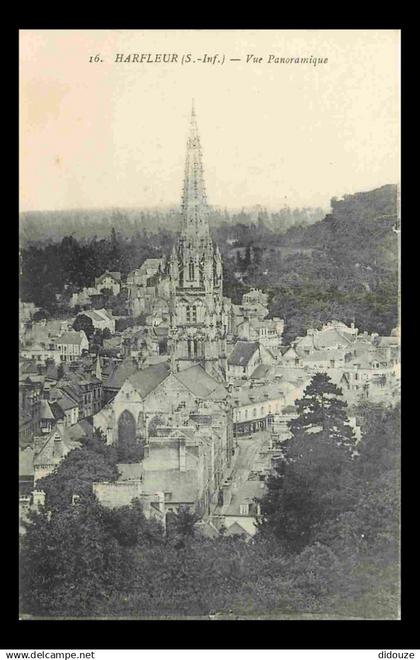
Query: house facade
x=71, y=345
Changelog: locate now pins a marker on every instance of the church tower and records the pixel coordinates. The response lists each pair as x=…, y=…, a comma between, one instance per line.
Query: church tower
x=198, y=324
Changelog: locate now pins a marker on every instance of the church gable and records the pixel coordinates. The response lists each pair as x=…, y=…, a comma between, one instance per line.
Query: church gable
x=128, y=393
x=170, y=396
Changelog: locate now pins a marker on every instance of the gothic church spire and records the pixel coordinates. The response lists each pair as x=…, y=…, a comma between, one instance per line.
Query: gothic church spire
x=194, y=201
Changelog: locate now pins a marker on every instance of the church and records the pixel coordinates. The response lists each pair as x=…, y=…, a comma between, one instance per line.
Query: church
x=199, y=314
x=180, y=409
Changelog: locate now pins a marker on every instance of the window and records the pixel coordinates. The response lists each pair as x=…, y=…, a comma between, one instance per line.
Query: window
x=189, y=347
x=188, y=314
x=194, y=314
x=191, y=270
x=254, y=412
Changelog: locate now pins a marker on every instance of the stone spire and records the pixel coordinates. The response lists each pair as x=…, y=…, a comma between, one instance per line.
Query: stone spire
x=194, y=201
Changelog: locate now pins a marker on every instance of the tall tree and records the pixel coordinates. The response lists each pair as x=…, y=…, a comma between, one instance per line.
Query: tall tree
x=83, y=322
x=95, y=461
x=313, y=483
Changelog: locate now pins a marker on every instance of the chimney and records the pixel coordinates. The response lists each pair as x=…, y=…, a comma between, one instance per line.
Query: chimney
x=46, y=393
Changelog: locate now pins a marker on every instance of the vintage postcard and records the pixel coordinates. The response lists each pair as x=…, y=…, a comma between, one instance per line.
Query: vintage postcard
x=209, y=328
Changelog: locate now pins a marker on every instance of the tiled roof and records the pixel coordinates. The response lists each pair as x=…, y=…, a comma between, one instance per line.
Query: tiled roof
x=257, y=395
x=146, y=380
x=383, y=342
x=120, y=373
x=242, y=353
x=56, y=446
x=76, y=432
x=322, y=356
x=24, y=417
x=70, y=338
x=200, y=383
x=57, y=410
x=115, y=275
x=262, y=371
x=45, y=411
x=66, y=403
x=26, y=462
x=239, y=528
x=331, y=337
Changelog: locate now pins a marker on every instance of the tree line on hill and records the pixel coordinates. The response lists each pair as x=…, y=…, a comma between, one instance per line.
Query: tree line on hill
x=349, y=271
x=53, y=226
x=327, y=539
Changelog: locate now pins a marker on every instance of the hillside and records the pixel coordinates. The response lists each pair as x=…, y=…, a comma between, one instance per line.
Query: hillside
x=344, y=267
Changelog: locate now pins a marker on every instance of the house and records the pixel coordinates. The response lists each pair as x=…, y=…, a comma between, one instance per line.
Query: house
x=238, y=511
x=148, y=269
x=71, y=345
x=26, y=310
x=332, y=336
x=41, y=354
x=50, y=451
x=64, y=407
x=84, y=388
x=254, y=407
x=245, y=357
x=109, y=280
x=84, y=297
x=266, y=331
x=26, y=471
x=101, y=319
x=373, y=376
x=255, y=296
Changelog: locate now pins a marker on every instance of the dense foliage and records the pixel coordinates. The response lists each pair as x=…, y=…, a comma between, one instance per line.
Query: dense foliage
x=344, y=267
x=328, y=543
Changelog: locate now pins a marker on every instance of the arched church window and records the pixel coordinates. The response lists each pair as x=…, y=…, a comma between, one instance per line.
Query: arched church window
x=194, y=314
x=195, y=348
x=188, y=314
x=191, y=270
x=126, y=428
x=189, y=347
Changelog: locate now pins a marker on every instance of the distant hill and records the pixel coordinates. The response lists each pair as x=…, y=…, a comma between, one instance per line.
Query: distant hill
x=359, y=227
x=344, y=267
x=52, y=226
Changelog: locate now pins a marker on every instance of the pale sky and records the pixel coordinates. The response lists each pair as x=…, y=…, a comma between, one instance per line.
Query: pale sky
x=97, y=135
